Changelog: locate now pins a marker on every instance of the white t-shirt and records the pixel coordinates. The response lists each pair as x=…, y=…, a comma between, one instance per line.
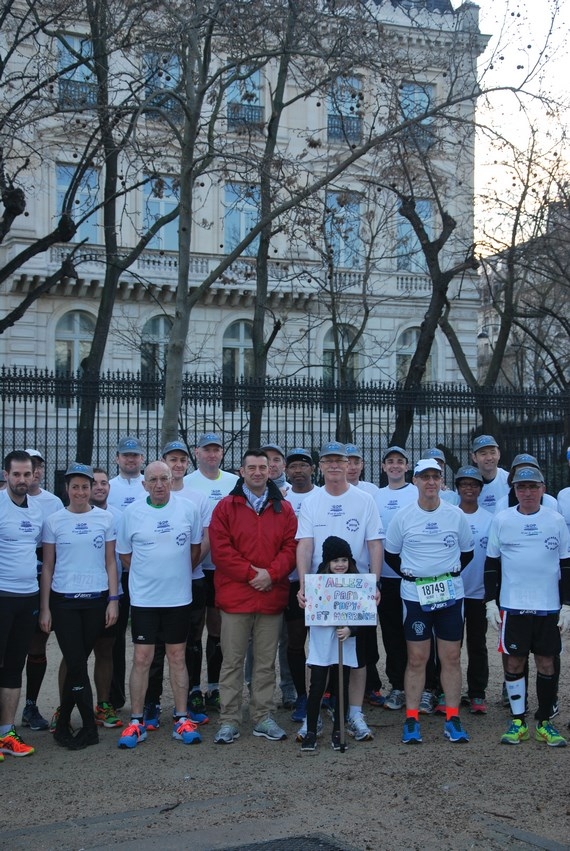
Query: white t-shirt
x=429, y=543
x=563, y=501
x=204, y=513
x=473, y=581
x=323, y=648
x=48, y=502
x=297, y=500
x=160, y=542
x=214, y=490
x=20, y=534
x=547, y=501
x=79, y=549
x=352, y=516
x=530, y=547
x=118, y=516
x=493, y=491
x=449, y=496
x=390, y=501
x=123, y=491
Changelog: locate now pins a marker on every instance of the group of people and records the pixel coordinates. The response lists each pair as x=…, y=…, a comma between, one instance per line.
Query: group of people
x=178, y=552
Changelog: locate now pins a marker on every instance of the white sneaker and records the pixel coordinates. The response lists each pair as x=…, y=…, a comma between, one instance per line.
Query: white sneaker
x=395, y=700
x=302, y=731
x=427, y=703
x=359, y=729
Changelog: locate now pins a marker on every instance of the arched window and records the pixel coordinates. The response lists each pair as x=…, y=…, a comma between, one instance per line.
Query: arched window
x=331, y=364
x=405, y=348
x=73, y=336
x=237, y=358
x=154, y=341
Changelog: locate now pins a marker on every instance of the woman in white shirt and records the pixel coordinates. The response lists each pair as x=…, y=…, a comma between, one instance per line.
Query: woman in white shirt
x=78, y=595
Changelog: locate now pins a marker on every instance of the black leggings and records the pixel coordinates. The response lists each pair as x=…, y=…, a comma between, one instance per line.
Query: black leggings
x=77, y=623
x=319, y=677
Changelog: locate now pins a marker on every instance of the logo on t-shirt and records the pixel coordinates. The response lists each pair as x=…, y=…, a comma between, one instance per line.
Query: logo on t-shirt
x=163, y=526
x=353, y=525
x=98, y=541
x=449, y=541
x=80, y=529
x=551, y=543
x=336, y=510
x=483, y=543
x=181, y=539
x=431, y=528
x=530, y=530
x=26, y=527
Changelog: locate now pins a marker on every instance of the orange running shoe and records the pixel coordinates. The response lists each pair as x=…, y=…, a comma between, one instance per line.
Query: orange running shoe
x=12, y=744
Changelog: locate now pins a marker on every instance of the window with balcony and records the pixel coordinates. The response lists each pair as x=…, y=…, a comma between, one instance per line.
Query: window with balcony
x=344, y=120
x=409, y=254
x=342, y=229
x=86, y=198
x=241, y=203
x=161, y=196
x=243, y=97
x=77, y=85
x=162, y=78
x=237, y=359
x=415, y=100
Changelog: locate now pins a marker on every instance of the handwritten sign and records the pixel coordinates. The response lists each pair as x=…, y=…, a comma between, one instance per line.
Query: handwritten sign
x=347, y=599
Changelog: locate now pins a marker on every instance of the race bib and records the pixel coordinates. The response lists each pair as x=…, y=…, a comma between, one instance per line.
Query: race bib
x=436, y=593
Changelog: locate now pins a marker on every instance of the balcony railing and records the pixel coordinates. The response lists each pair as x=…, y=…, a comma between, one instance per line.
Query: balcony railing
x=76, y=93
x=342, y=127
x=241, y=115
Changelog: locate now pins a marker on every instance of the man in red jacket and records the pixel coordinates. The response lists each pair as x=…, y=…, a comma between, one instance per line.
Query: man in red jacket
x=252, y=538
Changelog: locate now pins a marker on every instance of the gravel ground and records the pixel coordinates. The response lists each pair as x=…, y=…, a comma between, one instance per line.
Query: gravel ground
x=378, y=794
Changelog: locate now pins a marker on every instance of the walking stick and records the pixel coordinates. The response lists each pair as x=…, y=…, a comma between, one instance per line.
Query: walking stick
x=340, y=697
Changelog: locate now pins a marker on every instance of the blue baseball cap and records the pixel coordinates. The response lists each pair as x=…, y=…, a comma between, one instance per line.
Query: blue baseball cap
x=528, y=474
x=275, y=447
x=174, y=446
x=130, y=445
x=77, y=469
x=469, y=472
x=434, y=452
x=352, y=450
x=333, y=447
x=395, y=449
x=210, y=438
x=482, y=441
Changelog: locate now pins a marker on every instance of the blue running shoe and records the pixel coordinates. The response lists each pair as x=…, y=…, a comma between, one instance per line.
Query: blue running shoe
x=132, y=735
x=199, y=718
x=411, y=734
x=453, y=730
x=185, y=731
x=300, y=711
x=151, y=716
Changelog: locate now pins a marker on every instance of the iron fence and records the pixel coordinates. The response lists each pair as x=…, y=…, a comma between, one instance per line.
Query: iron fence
x=39, y=408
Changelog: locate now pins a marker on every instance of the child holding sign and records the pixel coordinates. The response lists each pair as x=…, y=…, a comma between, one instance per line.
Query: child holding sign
x=323, y=648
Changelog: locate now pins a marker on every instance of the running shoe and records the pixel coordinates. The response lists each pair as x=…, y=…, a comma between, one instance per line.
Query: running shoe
x=396, y=699
x=427, y=703
x=32, y=717
x=196, y=702
x=375, y=698
x=132, y=735
x=84, y=738
x=12, y=744
x=309, y=743
x=269, y=729
x=517, y=732
x=359, y=729
x=184, y=730
x=335, y=741
x=198, y=718
x=454, y=731
x=151, y=716
x=105, y=716
x=226, y=735
x=212, y=700
x=545, y=732
x=478, y=706
x=411, y=734
x=300, y=711
x=440, y=707
x=302, y=731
